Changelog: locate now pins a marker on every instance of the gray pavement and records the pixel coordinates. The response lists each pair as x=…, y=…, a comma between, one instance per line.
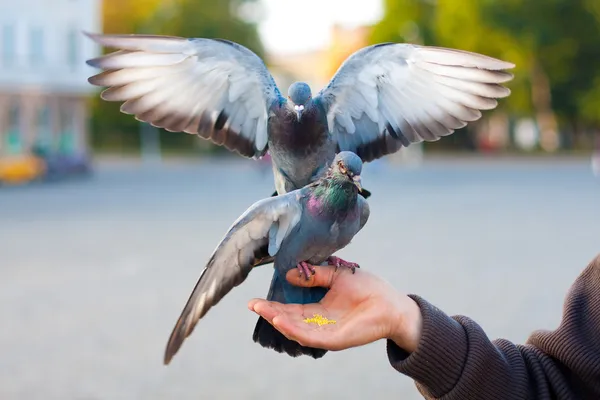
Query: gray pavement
x=93, y=274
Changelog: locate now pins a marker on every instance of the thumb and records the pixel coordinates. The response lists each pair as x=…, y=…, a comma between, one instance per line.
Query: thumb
x=323, y=277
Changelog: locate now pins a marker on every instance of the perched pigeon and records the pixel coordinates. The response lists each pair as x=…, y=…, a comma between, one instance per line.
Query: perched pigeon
x=301, y=228
x=382, y=98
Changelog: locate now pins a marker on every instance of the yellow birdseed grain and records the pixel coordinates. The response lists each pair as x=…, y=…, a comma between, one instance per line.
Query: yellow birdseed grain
x=319, y=320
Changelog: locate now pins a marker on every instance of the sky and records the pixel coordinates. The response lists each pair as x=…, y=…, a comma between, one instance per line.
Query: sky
x=290, y=26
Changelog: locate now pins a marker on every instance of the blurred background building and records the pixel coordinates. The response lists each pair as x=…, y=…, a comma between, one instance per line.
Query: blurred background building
x=43, y=76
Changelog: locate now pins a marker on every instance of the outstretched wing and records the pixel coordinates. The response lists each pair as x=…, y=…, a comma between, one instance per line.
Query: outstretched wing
x=217, y=89
x=266, y=223
x=390, y=95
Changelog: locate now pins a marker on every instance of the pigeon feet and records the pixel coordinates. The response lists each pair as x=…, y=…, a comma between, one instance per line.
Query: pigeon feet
x=338, y=262
x=306, y=269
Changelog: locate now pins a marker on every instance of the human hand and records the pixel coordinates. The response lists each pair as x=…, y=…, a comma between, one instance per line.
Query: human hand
x=365, y=308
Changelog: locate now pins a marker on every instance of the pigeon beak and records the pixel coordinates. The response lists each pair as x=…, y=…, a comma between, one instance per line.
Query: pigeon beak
x=299, y=109
x=356, y=180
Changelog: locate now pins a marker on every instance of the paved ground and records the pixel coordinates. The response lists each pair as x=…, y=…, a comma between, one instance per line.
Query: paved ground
x=94, y=274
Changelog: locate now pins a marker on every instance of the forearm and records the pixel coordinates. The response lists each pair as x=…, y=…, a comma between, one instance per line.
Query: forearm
x=455, y=360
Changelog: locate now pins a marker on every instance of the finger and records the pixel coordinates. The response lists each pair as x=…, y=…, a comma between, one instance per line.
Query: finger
x=270, y=308
x=252, y=302
x=266, y=310
x=323, y=277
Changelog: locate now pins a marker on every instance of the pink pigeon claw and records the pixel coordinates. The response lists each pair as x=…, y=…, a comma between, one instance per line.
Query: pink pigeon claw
x=338, y=262
x=306, y=269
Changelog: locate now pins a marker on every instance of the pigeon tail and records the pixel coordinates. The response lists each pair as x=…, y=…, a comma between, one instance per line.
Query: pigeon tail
x=269, y=337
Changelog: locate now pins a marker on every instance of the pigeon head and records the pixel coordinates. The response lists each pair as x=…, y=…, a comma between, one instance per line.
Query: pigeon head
x=348, y=165
x=299, y=93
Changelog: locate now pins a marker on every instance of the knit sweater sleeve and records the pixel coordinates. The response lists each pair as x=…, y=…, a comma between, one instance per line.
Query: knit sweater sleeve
x=456, y=360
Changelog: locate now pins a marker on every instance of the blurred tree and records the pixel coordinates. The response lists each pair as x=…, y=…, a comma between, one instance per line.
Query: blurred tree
x=408, y=21
x=226, y=19
x=561, y=39
x=234, y=20
x=428, y=22
x=126, y=16
x=555, y=45
x=589, y=101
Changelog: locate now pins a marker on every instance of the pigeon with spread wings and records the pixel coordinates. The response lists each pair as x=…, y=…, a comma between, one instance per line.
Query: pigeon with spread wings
x=382, y=98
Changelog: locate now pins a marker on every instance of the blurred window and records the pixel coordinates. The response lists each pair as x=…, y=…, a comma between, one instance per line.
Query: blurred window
x=66, y=139
x=13, y=138
x=8, y=44
x=36, y=45
x=44, y=128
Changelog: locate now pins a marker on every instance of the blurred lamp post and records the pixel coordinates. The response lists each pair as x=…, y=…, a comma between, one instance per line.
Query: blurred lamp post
x=150, y=143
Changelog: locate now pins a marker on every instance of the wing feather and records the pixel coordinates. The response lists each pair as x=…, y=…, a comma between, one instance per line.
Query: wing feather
x=217, y=89
x=266, y=223
x=385, y=97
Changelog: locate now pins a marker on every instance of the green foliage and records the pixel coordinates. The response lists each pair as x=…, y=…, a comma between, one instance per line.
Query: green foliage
x=406, y=21
x=559, y=39
x=563, y=36
x=113, y=130
x=208, y=19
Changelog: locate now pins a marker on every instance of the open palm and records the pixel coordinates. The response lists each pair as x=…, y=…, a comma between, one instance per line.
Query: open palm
x=364, y=307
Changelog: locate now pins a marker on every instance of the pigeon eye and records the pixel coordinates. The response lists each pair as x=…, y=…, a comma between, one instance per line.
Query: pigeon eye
x=342, y=168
